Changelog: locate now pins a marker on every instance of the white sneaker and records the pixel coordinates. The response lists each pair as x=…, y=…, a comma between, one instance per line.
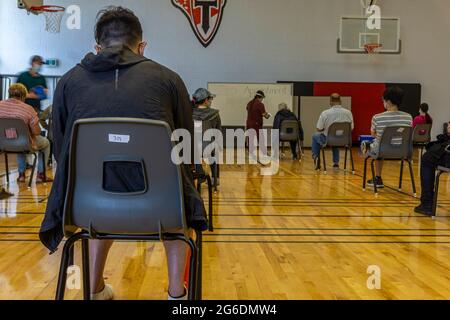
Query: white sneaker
x=183, y=298
x=106, y=294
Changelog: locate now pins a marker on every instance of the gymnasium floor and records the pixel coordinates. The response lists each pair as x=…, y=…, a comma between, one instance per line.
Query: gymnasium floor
x=297, y=235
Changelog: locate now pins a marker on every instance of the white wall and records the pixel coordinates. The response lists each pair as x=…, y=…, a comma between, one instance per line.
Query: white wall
x=259, y=41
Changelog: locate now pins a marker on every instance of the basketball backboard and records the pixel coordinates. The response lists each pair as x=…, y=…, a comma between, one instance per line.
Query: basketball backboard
x=355, y=35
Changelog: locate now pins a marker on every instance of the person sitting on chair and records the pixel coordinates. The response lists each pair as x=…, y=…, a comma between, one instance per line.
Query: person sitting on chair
x=335, y=114
x=202, y=100
x=392, y=117
x=282, y=115
x=423, y=117
x=119, y=81
x=438, y=154
x=16, y=108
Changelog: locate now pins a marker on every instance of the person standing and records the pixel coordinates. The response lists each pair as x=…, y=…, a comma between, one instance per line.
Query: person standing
x=423, y=117
x=35, y=83
x=256, y=112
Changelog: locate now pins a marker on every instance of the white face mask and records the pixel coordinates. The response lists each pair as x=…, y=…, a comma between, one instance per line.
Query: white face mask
x=36, y=68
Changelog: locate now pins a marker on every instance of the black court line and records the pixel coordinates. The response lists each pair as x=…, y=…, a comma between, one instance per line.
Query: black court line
x=321, y=235
x=19, y=227
x=21, y=213
x=323, y=216
x=328, y=229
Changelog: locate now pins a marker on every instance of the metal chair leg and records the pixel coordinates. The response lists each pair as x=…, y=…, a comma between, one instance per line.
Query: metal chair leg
x=436, y=192
x=62, y=277
x=86, y=274
x=352, y=161
x=33, y=169
x=413, y=183
x=365, y=173
x=210, y=203
x=345, y=162
x=199, y=280
x=400, y=183
x=375, y=187
x=324, y=161
x=7, y=167
x=193, y=268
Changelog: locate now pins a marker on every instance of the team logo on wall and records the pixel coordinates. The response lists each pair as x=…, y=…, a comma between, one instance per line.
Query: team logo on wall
x=204, y=16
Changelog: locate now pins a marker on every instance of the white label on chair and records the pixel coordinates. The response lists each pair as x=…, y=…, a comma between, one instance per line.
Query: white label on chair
x=117, y=138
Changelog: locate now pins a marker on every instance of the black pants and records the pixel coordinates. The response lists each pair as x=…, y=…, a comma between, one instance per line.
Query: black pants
x=428, y=179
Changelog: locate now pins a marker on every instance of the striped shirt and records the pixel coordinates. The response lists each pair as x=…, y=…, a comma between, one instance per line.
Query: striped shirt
x=334, y=115
x=389, y=119
x=15, y=109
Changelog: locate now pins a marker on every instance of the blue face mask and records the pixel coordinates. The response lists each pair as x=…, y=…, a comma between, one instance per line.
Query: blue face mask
x=37, y=68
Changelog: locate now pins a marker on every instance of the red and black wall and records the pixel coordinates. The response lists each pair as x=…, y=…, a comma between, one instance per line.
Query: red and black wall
x=366, y=98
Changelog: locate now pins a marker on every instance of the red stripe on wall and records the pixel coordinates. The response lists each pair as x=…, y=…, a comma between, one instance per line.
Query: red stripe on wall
x=366, y=101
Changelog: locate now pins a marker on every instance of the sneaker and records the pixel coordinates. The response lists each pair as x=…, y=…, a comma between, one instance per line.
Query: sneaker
x=106, y=294
x=21, y=178
x=379, y=182
x=182, y=298
x=336, y=166
x=425, y=210
x=42, y=179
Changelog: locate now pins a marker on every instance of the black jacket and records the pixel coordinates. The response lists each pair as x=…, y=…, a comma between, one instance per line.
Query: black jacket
x=116, y=83
x=438, y=152
x=284, y=115
x=210, y=115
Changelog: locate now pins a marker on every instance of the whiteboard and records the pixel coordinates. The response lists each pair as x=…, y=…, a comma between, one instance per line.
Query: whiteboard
x=232, y=100
x=310, y=111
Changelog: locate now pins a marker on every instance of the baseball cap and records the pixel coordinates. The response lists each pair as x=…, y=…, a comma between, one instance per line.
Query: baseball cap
x=260, y=93
x=202, y=94
x=37, y=59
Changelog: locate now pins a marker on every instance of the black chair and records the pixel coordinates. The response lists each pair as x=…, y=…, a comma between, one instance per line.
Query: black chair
x=339, y=136
x=396, y=144
x=150, y=214
x=202, y=177
x=14, y=139
x=422, y=136
x=206, y=125
x=440, y=170
x=290, y=132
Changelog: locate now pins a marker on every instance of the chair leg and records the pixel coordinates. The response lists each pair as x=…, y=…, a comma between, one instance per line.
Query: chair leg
x=324, y=161
x=400, y=183
x=352, y=161
x=45, y=165
x=193, y=268
x=33, y=169
x=365, y=173
x=413, y=182
x=436, y=193
x=210, y=203
x=375, y=188
x=300, y=150
x=199, y=280
x=7, y=167
x=62, y=277
x=215, y=168
x=86, y=274
x=345, y=162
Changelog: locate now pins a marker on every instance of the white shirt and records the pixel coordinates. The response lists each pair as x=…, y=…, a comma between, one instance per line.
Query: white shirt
x=333, y=115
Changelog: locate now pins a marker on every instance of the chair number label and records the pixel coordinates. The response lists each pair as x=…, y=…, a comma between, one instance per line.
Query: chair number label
x=117, y=138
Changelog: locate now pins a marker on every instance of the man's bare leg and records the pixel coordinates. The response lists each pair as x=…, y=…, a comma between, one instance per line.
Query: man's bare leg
x=177, y=252
x=98, y=253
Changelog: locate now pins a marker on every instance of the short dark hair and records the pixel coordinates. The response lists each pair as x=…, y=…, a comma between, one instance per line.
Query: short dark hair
x=117, y=25
x=395, y=95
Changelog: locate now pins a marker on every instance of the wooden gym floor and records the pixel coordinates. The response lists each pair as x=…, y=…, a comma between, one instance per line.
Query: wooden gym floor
x=297, y=235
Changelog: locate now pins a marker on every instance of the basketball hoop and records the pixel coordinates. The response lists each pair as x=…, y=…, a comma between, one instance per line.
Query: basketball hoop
x=372, y=48
x=53, y=16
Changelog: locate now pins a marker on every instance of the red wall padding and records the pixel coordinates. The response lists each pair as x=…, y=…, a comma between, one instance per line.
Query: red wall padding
x=366, y=101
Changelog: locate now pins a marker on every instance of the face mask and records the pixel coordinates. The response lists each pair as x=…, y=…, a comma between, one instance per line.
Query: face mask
x=37, y=68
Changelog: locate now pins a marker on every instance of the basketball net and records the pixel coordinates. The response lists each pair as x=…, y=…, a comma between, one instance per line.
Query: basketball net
x=53, y=17
x=366, y=4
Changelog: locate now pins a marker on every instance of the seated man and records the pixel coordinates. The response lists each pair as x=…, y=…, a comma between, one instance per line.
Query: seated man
x=333, y=115
x=438, y=154
x=119, y=81
x=16, y=108
x=392, y=117
x=282, y=115
x=203, y=112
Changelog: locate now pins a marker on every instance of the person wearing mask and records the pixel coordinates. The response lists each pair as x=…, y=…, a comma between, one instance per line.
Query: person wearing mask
x=256, y=112
x=423, y=117
x=210, y=118
x=35, y=83
x=392, y=117
x=282, y=115
x=438, y=154
x=119, y=81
